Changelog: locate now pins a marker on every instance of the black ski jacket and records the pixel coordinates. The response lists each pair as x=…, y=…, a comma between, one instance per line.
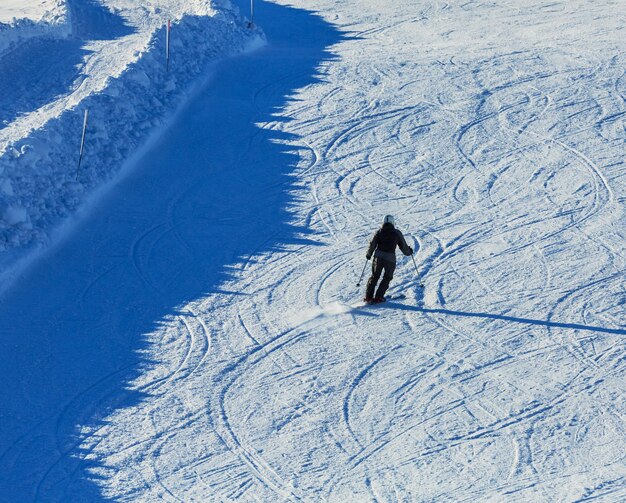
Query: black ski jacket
x=384, y=243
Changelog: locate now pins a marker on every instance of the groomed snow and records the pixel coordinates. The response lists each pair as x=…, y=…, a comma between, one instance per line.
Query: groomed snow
x=198, y=336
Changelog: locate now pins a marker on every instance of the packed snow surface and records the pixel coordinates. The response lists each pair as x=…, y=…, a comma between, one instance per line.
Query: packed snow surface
x=199, y=335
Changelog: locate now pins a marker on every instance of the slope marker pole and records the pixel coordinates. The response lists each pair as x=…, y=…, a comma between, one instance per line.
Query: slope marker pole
x=82, y=143
x=251, y=23
x=167, y=45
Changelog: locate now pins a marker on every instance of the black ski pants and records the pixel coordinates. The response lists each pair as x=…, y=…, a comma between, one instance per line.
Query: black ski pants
x=378, y=265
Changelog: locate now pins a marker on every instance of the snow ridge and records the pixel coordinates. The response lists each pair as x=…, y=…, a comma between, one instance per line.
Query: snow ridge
x=39, y=184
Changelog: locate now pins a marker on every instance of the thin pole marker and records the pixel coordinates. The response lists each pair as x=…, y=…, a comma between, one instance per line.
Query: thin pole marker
x=82, y=143
x=167, y=45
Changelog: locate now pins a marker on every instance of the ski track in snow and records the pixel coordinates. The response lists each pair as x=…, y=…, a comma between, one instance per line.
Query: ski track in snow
x=499, y=151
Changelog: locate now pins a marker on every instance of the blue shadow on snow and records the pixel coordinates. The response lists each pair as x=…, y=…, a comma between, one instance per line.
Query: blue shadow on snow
x=212, y=193
x=501, y=317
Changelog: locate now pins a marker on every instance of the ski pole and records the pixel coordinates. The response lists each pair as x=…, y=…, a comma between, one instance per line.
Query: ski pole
x=419, y=277
x=362, y=272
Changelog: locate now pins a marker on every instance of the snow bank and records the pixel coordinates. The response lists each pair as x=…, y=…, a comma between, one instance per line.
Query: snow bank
x=53, y=22
x=39, y=186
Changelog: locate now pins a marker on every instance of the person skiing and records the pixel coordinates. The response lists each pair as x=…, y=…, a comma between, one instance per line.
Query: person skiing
x=383, y=247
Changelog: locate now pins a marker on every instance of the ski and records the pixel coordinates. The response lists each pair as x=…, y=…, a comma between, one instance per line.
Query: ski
x=389, y=298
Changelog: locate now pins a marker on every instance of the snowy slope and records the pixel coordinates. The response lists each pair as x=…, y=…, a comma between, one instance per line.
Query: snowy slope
x=199, y=337
x=113, y=65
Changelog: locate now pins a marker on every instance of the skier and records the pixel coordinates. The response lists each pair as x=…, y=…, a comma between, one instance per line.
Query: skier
x=383, y=247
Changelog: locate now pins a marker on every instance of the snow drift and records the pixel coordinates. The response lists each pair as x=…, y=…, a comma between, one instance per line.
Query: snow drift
x=54, y=22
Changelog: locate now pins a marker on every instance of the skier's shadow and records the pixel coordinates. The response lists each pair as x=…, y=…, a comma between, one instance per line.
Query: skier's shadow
x=501, y=317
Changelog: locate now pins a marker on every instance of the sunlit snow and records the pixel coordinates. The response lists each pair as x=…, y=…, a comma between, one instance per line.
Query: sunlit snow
x=184, y=322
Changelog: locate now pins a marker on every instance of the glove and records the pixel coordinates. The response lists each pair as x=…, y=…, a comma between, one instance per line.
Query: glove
x=368, y=256
x=410, y=251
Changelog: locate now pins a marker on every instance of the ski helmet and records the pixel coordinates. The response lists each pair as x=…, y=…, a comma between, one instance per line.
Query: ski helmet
x=389, y=220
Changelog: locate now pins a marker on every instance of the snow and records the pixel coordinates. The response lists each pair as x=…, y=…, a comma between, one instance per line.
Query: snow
x=197, y=334
x=113, y=66
x=22, y=20
x=21, y=9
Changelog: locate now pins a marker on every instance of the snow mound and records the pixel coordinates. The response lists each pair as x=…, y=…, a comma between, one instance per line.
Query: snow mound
x=47, y=18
